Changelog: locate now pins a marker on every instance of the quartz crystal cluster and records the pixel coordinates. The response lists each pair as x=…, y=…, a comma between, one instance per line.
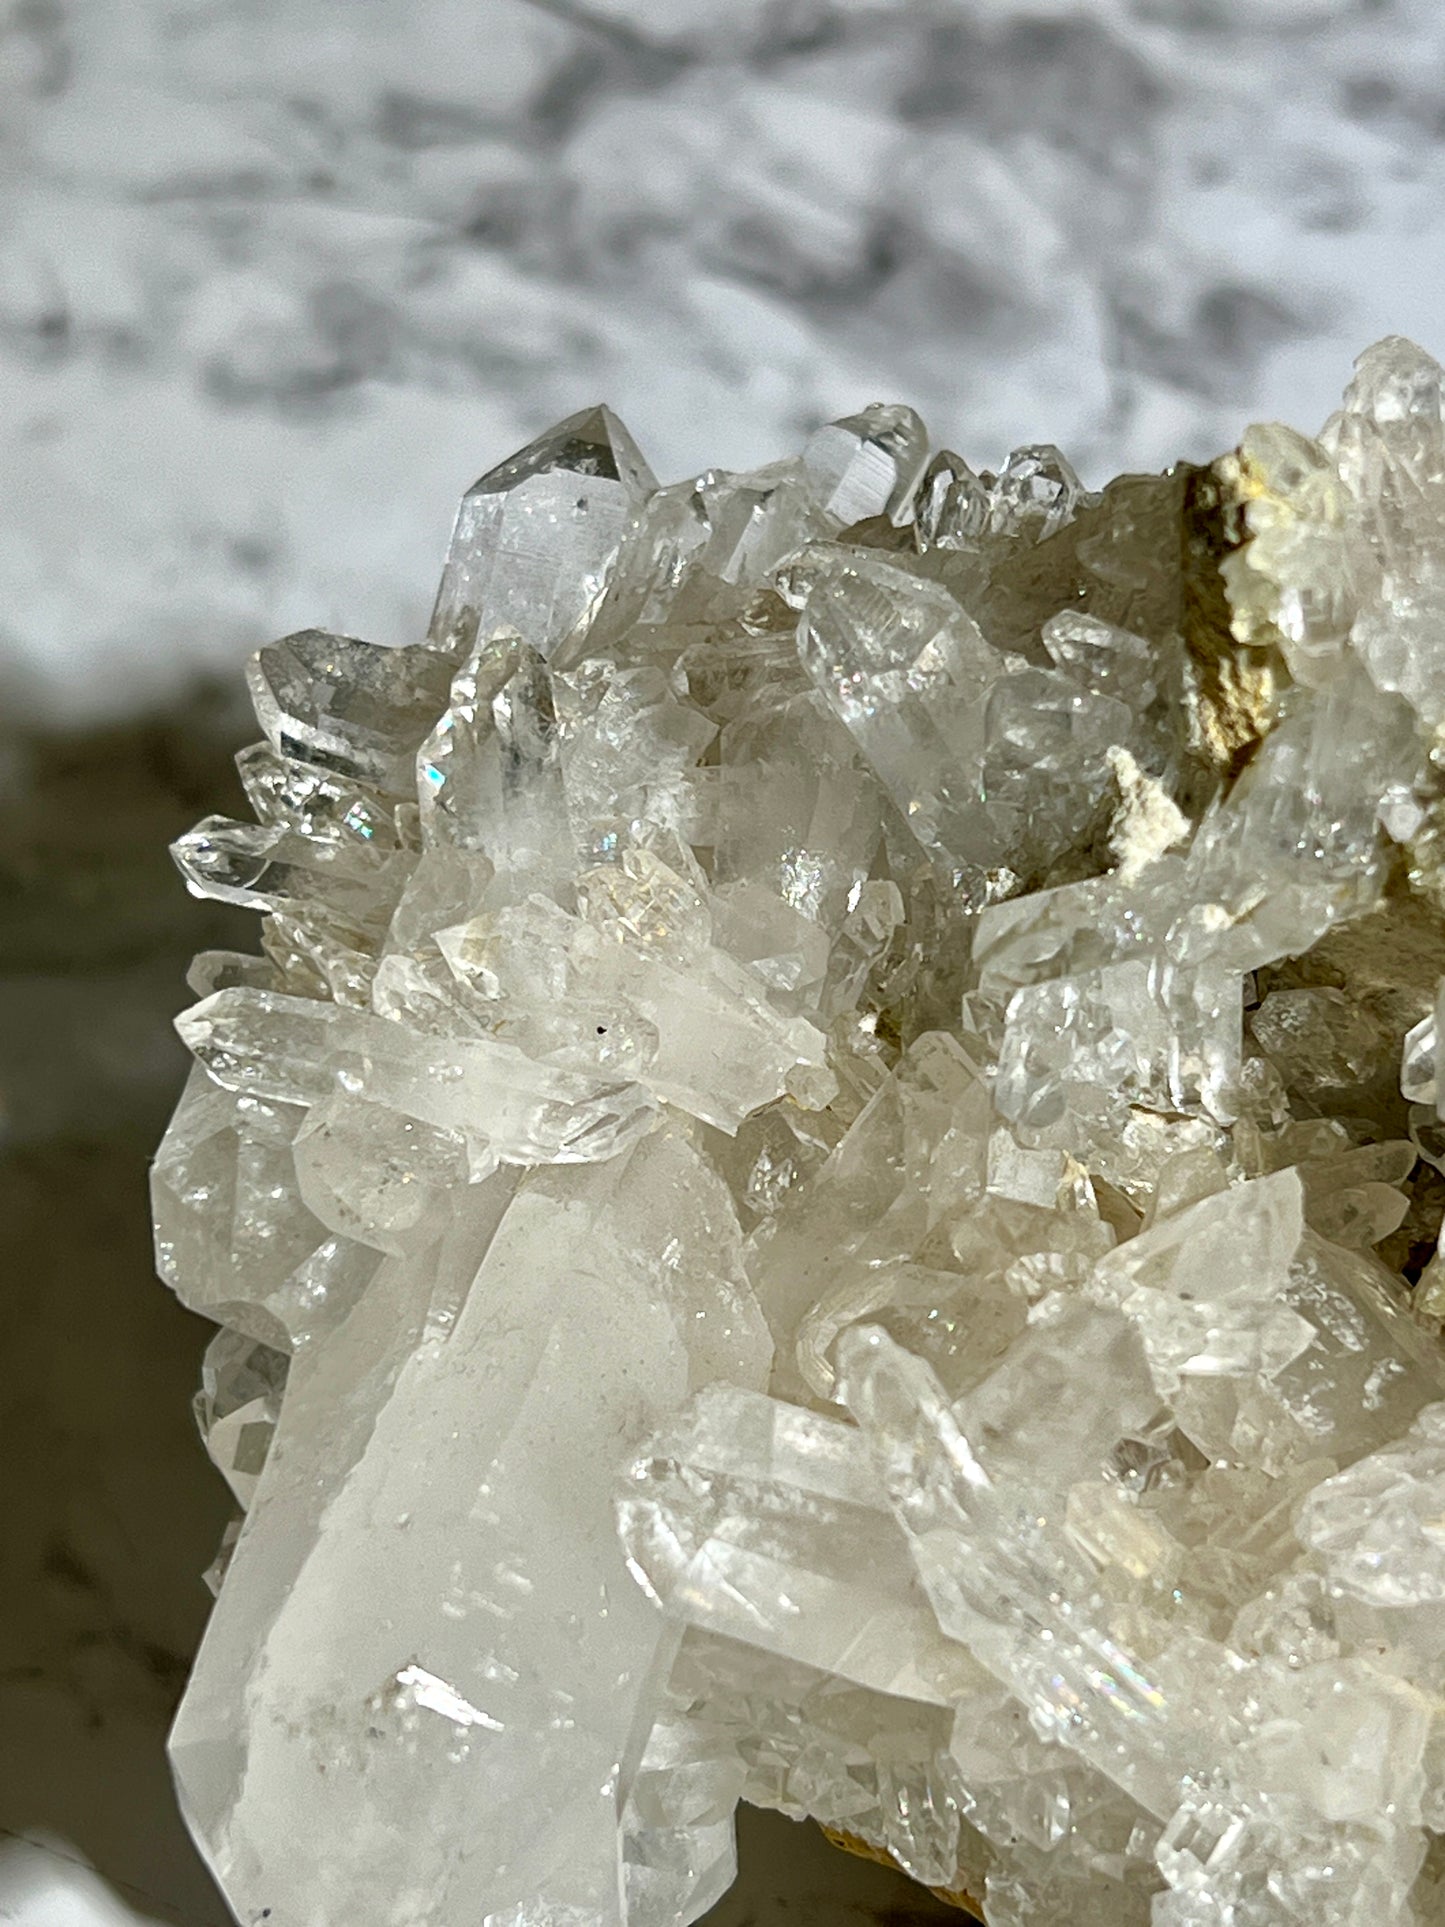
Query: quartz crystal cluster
x=824, y=1191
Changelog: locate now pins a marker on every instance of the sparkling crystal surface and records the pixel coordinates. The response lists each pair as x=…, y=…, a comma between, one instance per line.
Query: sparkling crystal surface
x=826, y=1190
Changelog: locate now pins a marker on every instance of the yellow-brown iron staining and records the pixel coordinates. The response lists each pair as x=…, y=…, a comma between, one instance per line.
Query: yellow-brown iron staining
x=952, y=1896
x=1236, y=684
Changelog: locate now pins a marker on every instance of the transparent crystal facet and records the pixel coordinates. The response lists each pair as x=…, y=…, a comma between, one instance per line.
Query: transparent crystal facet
x=535, y=538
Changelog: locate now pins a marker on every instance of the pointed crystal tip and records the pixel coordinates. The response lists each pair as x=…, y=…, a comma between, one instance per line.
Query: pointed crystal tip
x=537, y=537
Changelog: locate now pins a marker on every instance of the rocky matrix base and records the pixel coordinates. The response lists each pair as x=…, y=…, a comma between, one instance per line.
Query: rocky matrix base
x=824, y=1192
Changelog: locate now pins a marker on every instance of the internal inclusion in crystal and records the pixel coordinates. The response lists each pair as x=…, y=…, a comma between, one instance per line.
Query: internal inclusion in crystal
x=824, y=1190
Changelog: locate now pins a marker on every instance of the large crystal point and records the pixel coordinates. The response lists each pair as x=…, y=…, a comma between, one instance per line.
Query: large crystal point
x=826, y=1190
x=407, y=1642
x=534, y=538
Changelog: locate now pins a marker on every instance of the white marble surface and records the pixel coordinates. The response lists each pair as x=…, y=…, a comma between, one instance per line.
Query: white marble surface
x=277, y=278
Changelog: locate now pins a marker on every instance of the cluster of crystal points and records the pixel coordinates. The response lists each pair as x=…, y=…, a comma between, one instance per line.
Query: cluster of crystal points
x=825, y=1190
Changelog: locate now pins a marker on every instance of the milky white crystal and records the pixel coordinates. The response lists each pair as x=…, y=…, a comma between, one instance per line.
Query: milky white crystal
x=825, y=1191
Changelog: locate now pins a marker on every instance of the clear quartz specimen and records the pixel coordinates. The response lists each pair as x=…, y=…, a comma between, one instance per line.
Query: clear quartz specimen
x=1017, y=1593
x=373, y=1174
x=1037, y=491
x=985, y=756
x=700, y=546
x=797, y=809
x=234, y=1238
x=634, y=981
x=1378, y=1524
x=908, y=673
x=1036, y=494
x=826, y=1190
x=327, y=809
x=489, y=774
x=953, y=504
x=1389, y=441
x=284, y=872
x=1199, y=1312
x=1419, y=1077
x=679, y=1851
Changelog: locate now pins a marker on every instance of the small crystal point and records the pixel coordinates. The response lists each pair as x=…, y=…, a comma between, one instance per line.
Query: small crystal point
x=238, y=1406
x=953, y=503
x=1396, y=381
x=1036, y=490
x=868, y=464
x=348, y=707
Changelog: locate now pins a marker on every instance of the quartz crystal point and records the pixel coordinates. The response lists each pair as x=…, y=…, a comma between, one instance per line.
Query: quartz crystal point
x=404, y=1643
x=826, y=1190
x=535, y=538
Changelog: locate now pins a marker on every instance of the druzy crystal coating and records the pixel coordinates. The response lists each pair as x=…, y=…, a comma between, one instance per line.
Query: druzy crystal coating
x=824, y=1191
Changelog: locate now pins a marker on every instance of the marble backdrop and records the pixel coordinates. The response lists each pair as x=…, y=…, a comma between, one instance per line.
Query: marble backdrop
x=277, y=279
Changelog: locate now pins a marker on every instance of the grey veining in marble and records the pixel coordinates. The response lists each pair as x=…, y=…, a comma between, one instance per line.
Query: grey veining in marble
x=277, y=276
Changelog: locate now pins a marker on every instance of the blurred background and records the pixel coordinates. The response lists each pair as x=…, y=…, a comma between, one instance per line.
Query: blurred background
x=278, y=278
